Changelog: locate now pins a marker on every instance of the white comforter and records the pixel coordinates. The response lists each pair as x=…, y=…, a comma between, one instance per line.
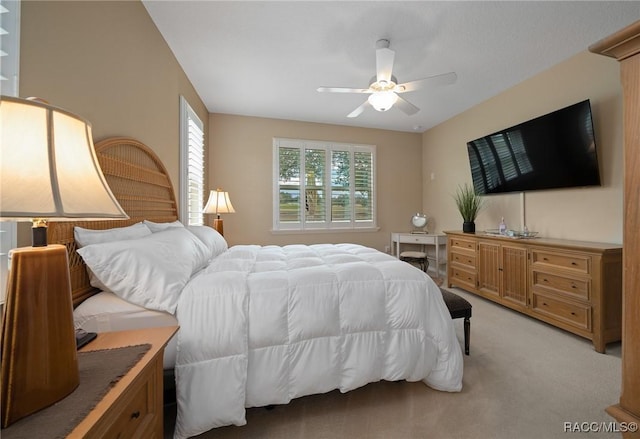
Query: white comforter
x=264, y=325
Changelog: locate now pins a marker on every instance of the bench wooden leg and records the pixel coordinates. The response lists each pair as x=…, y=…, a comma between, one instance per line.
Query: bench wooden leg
x=467, y=334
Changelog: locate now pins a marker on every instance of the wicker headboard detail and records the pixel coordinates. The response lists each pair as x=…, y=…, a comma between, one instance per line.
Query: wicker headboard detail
x=139, y=181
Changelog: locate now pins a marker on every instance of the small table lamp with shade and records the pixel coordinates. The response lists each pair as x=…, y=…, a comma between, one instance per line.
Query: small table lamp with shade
x=48, y=172
x=218, y=203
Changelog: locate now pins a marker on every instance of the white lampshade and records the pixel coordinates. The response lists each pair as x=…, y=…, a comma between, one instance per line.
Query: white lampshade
x=218, y=203
x=48, y=165
x=382, y=100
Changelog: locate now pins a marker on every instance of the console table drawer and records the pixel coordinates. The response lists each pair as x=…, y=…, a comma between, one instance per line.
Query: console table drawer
x=561, y=260
x=579, y=288
x=573, y=314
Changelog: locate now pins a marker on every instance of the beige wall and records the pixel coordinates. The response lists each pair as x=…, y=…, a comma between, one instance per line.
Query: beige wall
x=592, y=214
x=241, y=156
x=107, y=62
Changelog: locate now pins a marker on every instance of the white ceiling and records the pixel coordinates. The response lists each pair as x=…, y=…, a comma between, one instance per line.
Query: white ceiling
x=267, y=58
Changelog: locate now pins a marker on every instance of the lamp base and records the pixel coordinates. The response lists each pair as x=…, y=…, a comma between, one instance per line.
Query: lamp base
x=218, y=225
x=39, y=237
x=39, y=357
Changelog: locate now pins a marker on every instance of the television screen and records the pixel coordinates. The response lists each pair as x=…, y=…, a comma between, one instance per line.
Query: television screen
x=556, y=150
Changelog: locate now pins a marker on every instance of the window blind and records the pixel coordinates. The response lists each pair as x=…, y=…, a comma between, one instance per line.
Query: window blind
x=9, y=46
x=9, y=67
x=323, y=185
x=192, y=166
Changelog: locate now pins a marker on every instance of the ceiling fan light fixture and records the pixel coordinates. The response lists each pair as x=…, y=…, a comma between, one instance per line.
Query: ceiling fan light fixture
x=382, y=100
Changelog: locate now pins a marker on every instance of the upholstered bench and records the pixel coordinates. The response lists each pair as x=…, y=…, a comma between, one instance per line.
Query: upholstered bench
x=459, y=308
x=416, y=257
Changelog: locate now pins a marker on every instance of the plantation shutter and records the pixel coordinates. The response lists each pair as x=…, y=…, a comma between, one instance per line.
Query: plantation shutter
x=192, y=167
x=363, y=176
x=323, y=185
x=9, y=69
x=9, y=46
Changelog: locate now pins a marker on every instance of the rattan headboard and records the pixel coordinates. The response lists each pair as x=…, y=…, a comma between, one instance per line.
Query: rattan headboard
x=139, y=181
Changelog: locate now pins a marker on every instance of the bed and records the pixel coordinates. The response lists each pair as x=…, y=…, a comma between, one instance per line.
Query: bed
x=259, y=325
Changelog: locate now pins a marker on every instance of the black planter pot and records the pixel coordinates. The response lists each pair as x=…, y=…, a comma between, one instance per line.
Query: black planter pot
x=469, y=227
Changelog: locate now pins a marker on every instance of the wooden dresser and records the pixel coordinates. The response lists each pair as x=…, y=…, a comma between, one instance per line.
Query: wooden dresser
x=133, y=406
x=624, y=46
x=574, y=285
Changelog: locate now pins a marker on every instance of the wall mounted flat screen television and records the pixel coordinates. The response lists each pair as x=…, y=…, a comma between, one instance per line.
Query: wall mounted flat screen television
x=557, y=150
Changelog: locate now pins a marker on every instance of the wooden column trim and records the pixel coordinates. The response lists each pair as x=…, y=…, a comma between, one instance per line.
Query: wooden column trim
x=621, y=45
x=624, y=46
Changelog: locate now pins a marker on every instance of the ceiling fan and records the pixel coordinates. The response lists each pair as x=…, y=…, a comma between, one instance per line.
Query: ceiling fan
x=384, y=88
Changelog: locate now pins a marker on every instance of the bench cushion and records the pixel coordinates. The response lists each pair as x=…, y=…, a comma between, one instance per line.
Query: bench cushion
x=458, y=306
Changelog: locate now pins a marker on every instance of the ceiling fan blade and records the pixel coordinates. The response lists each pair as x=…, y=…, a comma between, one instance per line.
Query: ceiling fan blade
x=384, y=64
x=343, y=90
x=407, y=107
x=358, y=111
x=436, y=80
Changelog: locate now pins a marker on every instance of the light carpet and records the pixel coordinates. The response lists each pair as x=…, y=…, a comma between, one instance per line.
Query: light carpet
x=524, y=379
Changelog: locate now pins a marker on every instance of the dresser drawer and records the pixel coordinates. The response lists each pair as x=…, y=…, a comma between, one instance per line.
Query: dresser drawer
x=463, y=277
x=576, y=288
x=463, y=259
x=570, y=313
x=573, y=262
x=465, y=244
x=135, y=413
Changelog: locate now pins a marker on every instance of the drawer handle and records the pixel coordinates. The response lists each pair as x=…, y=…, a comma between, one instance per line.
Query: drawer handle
x=573, y=286
x=135, y=415
x=573, y=263
x=544, y=304
x=573, y=314
x=545, y=280
x=545, y=259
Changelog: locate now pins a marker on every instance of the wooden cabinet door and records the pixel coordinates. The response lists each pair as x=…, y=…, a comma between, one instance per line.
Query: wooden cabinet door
x=489, y=269
x=513, y=275
x=502, y=273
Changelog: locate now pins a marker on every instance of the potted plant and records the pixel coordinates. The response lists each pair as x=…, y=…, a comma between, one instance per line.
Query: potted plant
x=469, y=205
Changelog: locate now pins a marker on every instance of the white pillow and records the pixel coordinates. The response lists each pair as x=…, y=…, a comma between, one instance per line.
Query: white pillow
x=150, y=271
x=89, y=236
x=159, y=227
x=213, y=240
x=86, y=237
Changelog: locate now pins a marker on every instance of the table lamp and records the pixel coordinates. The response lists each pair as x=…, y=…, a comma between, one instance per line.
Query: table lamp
x=218, y=203
x=48, y=172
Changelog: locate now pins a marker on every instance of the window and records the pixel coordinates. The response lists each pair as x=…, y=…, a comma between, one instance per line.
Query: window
x=9, y=46
x=9, y=63
x=323, y=185
x=191, y=166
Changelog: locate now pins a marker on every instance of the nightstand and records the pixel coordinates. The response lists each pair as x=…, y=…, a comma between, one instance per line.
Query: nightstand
x=133, y=406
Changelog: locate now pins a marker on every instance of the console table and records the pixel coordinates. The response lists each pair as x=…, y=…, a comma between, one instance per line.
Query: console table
x=422, y=239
